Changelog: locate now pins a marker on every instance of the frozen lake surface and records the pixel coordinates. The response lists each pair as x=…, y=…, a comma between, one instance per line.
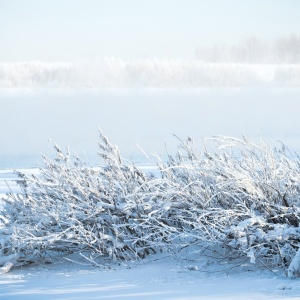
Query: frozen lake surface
x=147, y=117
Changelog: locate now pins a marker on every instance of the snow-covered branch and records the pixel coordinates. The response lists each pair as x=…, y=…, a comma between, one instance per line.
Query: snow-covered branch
x=242, y=196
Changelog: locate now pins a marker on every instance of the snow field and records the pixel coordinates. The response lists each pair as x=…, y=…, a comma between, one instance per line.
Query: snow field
x=156, y=278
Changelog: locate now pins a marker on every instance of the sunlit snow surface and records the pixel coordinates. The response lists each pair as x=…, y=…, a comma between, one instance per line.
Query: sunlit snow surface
x=158, y=277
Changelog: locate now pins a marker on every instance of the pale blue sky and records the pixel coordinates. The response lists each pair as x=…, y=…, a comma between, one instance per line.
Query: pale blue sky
x=68, y=30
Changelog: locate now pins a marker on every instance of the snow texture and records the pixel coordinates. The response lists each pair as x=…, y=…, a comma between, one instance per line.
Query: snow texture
x=294, y=268
x=159, y=277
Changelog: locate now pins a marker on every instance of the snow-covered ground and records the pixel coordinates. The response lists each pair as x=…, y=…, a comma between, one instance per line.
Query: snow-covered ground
x=161, y=276
x=156, y=278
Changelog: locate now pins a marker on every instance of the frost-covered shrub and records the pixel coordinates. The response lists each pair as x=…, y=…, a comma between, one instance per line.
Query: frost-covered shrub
x=241, y=196
x=71, y=207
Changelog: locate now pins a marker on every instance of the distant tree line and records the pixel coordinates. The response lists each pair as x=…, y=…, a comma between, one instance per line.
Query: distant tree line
x=211, y=69
x=254, y=50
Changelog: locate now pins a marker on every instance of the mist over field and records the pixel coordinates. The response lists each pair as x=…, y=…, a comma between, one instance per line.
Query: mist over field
x=223, y=90
x=247, y=89
x=251, y=62
x=147, y=117
x=168, y=73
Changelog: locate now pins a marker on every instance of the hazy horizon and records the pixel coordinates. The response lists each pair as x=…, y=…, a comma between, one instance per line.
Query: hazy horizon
x=65, y=30
x=144, y=69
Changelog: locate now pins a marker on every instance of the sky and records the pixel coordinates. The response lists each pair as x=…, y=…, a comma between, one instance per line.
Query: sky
x=68, y=30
